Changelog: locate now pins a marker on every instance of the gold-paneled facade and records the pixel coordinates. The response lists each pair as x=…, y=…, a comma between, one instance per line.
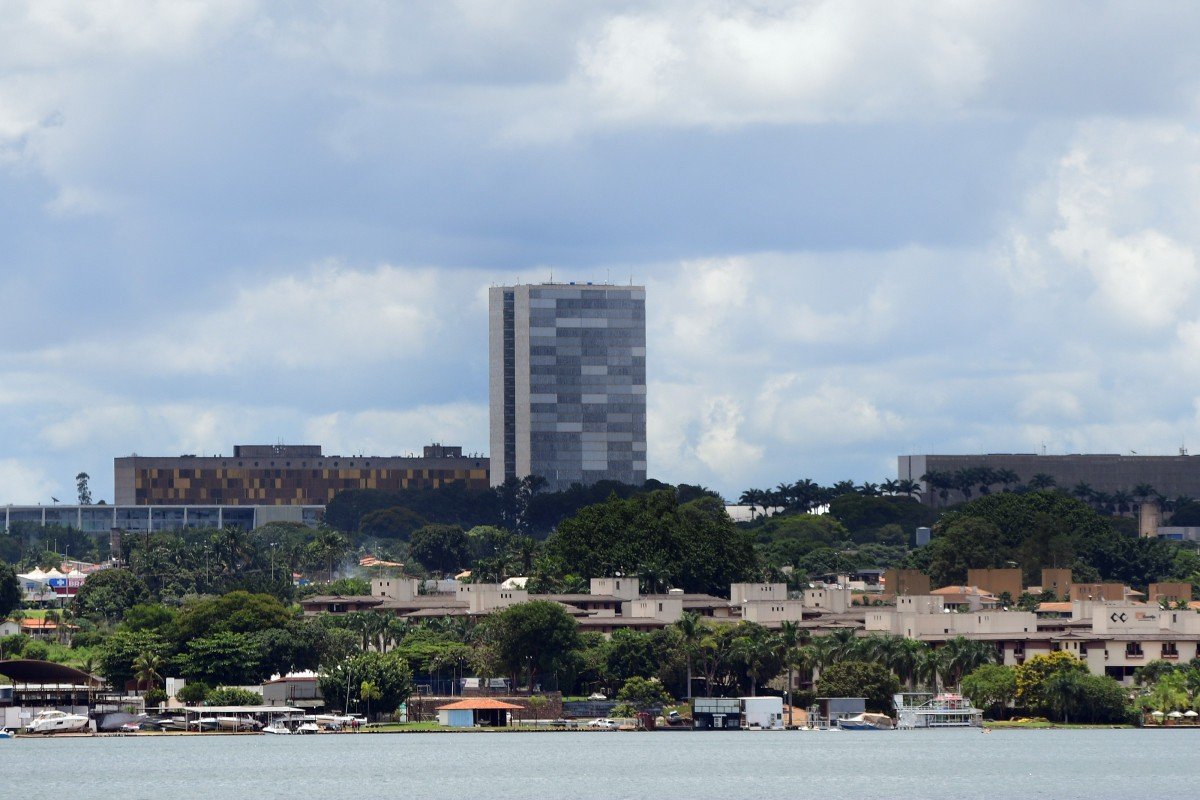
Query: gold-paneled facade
x=283, y=475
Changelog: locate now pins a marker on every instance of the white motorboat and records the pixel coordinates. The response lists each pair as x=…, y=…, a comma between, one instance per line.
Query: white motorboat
x=203, y=724
x=54, y=721
x=5, y=733
x=308, y=727
x=238, y=724
x=866, y=722
x=278, y=729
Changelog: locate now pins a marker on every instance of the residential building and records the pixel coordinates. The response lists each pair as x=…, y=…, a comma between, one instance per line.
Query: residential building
x=568, y=383
x=285, y=475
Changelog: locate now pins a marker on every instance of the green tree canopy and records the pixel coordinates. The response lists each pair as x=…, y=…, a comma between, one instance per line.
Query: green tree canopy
x=396, y=522
x=10, y=590
x=440, y=548
x=121, y=649
x=694, y=546
x=232, y=696
x=237, y=612
x=991, y=687
x=643, y=693
x=224, y=657
x=860, y=679
x=387, y=673
x=533, y=638
x=109, y=593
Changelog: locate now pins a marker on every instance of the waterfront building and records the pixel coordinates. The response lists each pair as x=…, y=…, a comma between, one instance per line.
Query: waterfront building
x=1170, y=476
x=568, y=383
x=285, y=475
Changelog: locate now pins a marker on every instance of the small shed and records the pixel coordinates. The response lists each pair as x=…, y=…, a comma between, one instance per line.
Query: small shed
x=474, y=711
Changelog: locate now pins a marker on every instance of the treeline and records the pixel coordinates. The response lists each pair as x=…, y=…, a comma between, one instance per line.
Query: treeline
x=522, y=506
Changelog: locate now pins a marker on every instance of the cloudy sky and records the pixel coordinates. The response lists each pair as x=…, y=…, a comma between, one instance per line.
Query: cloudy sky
x=866, y=228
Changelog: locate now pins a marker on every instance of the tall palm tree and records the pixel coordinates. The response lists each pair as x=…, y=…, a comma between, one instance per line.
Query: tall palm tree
x=928, y=668
x=1083, y=491
x=691, y=631
x=790, y=639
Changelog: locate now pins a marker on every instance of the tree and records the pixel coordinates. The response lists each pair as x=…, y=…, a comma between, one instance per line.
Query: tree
x=643, y=693
x=237, y=612
x=147, y=669
x=368, y=691
x=537, y=637
x=690, y=632
x=193, y=693
x=10, y=590
x=1032, y=675
x=440, y=548
x=121, y=649
x=387, y=673
x=232, y=696
x=81, y=486
x=106, y=595
x=694, y=546
x=992, y=687
x=397, y=522
x=224, y=657
x=860, y=679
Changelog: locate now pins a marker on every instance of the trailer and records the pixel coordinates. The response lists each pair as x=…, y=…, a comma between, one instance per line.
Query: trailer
x=762, y=713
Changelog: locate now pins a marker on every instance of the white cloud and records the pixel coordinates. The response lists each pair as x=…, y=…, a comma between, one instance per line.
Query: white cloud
x=20, y=482
x=383, y=431
x=314, y=319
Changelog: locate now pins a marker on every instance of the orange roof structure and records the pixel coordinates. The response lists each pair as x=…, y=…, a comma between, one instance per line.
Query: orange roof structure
x=479, y=704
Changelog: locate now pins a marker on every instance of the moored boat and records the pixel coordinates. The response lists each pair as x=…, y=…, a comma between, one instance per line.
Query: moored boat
x=946, y=710
x=866, y=722
x=54, y=721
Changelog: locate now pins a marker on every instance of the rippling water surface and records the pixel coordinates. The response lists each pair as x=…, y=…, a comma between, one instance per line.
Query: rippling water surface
x=956, y=765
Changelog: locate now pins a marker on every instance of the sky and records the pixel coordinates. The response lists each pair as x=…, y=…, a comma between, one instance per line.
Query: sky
x=866, y=229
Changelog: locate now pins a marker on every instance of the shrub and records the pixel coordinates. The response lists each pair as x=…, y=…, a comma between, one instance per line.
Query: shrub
x=193, y=693
x=37, y=650
x=232, y=696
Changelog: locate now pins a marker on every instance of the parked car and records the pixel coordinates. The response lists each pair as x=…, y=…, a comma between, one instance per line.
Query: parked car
x=604, y=724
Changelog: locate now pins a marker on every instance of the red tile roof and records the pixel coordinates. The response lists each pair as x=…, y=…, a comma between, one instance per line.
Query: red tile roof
x=479, y=704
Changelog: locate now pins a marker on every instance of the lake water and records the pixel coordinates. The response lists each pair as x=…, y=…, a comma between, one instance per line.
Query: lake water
x=951, y=764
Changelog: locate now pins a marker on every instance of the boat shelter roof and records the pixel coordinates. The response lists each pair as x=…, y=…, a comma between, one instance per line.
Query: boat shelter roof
x=26, y=671
x=242, y=710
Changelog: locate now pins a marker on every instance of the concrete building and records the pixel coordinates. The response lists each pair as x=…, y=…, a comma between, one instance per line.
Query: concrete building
x=1057, y=581
x=568, y=383
x=905, y=581
x=996, y=581
x=1170, y=476
x=285, y=475
x=146, y=519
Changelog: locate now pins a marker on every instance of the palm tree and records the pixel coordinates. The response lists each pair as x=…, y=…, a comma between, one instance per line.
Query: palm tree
x=869, y=490
x=928, y=668
x=691, y=631
x=961, y=656
x=1042, y=481
x=908, y=487
x=843, y=487
x=1121, y=500
x=749, y=498
x=790, y=639
x=889, y=486
x=147, y=668
x=1006, y=478
x=1083, y=492
x=1144, y=491
x=369, y=691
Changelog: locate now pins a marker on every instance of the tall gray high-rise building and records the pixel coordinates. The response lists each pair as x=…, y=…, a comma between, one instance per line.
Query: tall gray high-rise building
x=568, y=383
